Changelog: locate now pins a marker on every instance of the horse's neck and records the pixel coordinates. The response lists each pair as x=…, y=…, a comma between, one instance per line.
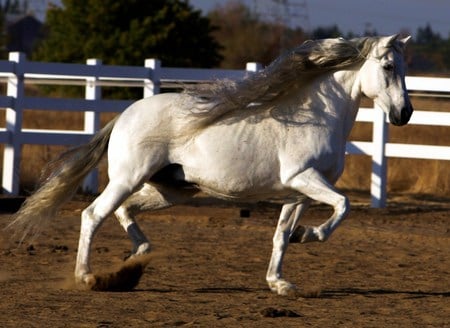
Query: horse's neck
x=350, y=82
x=336, y=96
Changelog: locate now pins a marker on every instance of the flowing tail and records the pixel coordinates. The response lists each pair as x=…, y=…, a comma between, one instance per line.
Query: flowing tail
x=68, y=171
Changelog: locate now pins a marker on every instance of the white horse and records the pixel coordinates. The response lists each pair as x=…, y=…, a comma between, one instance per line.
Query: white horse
x=278, y=135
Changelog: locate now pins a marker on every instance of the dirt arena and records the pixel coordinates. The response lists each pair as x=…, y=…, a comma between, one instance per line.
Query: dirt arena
x=381, y=268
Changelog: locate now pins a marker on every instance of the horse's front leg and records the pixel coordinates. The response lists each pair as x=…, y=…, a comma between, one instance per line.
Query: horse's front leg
x=286, y=224
x=312, y=184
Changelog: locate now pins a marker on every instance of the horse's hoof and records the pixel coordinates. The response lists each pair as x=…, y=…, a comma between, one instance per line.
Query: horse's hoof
x=87, y=280
x=283, y=288
x=143, y=249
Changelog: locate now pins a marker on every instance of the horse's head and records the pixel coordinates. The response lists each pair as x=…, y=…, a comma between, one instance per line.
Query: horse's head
x=383, y=78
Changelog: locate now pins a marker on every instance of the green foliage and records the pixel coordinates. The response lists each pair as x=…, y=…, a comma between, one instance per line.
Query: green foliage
x=14, y=6
x=426, y=36
x=429, y=52
x=2, y=36
x=126, y=32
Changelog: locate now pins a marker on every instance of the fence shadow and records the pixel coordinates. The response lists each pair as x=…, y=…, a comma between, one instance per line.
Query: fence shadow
x=10, y=205
x=342, y=292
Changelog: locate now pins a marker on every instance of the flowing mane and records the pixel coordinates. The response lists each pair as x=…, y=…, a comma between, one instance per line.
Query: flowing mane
x=297, y=66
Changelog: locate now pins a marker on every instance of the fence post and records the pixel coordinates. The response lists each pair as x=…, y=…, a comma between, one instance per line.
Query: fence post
x=152, y=85
x=92, y=122
x=253, y=67
x=12, y=150
x=380, y=136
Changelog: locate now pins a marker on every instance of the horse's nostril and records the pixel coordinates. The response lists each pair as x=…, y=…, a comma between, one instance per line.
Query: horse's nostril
x=393, y=117
x=407, y=113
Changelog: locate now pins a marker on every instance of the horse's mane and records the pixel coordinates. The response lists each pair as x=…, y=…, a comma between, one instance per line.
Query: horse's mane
x=297, y=66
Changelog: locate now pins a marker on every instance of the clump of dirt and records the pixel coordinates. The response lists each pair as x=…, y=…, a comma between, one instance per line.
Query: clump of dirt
x=124, y=279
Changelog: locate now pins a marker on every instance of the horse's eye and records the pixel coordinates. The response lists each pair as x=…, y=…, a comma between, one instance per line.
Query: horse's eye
x=388, y=66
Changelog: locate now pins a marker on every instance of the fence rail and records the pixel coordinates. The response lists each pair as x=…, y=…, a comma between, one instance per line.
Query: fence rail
x=93, y=75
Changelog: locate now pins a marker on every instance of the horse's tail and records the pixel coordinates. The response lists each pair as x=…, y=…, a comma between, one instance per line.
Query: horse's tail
x=68, y=171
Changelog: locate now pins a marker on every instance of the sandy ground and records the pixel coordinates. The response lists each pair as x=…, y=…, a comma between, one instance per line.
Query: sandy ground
x=381, y=268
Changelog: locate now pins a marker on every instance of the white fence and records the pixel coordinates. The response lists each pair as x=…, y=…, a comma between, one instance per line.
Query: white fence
x=17, y=71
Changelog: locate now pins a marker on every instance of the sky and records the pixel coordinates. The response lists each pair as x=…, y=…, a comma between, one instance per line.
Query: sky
x=385, y=16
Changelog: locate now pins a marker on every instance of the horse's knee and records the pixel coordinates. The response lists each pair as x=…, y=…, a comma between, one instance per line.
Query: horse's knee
x=341, y=210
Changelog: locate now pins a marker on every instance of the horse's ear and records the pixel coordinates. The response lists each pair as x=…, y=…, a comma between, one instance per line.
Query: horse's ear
x=396, y=40
x=389, y=40
x=405, y=40
x=400, y=43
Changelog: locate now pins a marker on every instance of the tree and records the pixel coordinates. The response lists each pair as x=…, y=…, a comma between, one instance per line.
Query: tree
x=2, y=31
x=8, y=7
x=429, y=52
x=426, y=35
x=14, y=6
x=325, y=32
x=125, y=32
x=245, y=37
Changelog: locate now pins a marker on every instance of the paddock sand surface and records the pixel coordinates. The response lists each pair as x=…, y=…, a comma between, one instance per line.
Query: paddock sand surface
x=381, y=268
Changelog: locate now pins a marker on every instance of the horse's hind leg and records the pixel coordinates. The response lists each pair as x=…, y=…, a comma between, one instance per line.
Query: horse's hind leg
x=141, y=245
x=148, y=198
x=91, y=219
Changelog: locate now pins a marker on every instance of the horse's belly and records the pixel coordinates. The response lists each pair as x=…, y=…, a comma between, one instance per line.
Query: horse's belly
x=233, y=169
x=251, y=195
x=236, y=181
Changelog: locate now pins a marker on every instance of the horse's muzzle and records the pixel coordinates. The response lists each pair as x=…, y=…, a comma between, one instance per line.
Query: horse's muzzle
x=402, y=117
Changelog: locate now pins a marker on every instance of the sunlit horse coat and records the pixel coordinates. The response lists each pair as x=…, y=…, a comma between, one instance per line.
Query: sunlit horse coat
x=277, y=135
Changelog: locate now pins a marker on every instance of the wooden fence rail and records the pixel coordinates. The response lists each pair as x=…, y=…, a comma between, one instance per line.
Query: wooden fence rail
x=93, y=75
